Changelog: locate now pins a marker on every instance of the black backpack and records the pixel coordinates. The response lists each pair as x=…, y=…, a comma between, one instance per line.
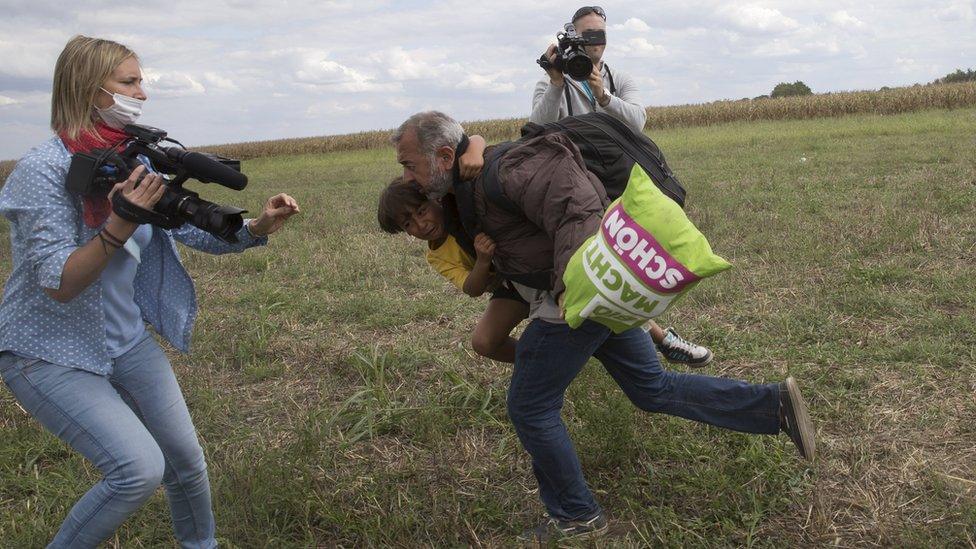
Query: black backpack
x=609, y=149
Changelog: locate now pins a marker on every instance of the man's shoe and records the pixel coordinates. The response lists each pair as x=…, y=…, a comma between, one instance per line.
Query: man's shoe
x=555, y=530
x=679, y=350
x=794, y=420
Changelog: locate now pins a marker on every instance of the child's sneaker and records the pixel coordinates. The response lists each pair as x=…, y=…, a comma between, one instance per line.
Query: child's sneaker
x=679, y=350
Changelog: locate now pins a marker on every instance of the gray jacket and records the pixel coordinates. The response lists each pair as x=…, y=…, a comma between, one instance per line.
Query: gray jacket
x=549, y=102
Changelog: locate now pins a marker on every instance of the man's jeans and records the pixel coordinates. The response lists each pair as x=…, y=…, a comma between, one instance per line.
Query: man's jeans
x=134, y=426
x=550, y=355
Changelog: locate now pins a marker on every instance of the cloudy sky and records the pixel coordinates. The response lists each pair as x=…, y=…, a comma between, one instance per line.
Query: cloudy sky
x=237, y=70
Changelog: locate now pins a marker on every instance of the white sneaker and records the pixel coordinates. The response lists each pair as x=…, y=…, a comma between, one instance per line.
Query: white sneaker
x=678, y=350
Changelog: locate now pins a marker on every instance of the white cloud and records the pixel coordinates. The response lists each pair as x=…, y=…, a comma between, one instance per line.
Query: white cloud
x=755, y=17
x=316, y=70
x=220, y=83
x=775, y=48
x=427, y=64
x=333, y=108
x=646, y=82
x=4, y=101
x=403, y=65
x=828, y=45
x=845, y=20
x=171, y=83
x=399, y=103
x=959, y=10
x=641, y=47
x=796, y=69
x=487, y=83
x=541, y=41
x=731, y=36
x=906, y=64
x=632, y=24
x=28, y=52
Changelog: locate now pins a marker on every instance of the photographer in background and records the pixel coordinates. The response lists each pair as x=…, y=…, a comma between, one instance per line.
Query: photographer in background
x=74, y=348
x=614, y=92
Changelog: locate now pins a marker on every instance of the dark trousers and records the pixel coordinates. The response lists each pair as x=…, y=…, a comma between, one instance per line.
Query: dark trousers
x=548, y=358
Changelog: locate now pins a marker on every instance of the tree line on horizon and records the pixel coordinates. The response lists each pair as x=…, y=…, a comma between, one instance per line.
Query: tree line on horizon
x=798, y=88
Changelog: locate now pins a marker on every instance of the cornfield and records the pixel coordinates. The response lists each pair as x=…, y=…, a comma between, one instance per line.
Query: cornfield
x=6, y=167
x=885, y=101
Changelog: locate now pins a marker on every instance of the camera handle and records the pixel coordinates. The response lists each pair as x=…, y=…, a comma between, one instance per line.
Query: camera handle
x=137, y=214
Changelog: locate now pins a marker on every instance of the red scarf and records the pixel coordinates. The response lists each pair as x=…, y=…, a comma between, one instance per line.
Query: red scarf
x=96, y=208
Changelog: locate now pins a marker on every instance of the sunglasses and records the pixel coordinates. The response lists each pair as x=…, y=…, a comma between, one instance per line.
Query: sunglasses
x=586, y=10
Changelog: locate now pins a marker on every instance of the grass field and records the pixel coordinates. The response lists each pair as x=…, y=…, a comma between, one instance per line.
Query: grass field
x=339, y=403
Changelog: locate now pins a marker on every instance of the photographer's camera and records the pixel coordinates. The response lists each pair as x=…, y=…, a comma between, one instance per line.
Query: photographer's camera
x=571, y=57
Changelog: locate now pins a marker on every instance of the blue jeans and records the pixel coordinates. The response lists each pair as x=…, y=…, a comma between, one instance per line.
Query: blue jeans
x=134, y=426
x=548, y=358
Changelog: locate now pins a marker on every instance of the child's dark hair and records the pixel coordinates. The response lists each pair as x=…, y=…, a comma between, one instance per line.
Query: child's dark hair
x=399, y=198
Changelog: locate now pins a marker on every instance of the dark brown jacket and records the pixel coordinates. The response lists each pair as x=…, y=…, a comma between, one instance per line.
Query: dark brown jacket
x=561, y=204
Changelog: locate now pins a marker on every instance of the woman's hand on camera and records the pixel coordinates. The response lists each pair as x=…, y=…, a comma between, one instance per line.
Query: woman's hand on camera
x=276, y=211
x=141, y=189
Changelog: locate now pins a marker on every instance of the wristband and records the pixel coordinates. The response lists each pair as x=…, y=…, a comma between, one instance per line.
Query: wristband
x=106, y=243
x=112, y=238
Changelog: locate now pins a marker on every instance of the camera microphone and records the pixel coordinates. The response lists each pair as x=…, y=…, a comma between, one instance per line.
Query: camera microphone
x=207, y=169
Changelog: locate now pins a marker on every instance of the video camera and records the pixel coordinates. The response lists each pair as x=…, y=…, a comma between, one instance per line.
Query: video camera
x=96, y=172
x=571, y=58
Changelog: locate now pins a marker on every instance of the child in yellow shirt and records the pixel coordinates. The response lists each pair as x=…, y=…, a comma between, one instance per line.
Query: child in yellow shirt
x=403, y=208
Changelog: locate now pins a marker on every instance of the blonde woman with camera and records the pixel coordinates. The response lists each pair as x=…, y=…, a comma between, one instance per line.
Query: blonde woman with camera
x=74, y=347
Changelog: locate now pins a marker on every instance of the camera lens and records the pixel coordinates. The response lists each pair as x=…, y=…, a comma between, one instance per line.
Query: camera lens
x=185, y=206
x=220, y=221
x=578, y=66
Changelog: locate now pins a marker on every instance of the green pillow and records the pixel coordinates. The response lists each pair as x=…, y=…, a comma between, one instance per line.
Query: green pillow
x=646, y=255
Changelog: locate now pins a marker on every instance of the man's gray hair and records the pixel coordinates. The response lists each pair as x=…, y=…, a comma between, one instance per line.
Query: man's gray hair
x=434, y=130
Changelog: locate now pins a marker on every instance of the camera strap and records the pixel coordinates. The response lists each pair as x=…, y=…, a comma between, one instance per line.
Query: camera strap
x=569, y=102
x=137, y=214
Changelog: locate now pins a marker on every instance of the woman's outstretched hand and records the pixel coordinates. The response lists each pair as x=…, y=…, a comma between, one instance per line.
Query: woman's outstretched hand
x=277, y=210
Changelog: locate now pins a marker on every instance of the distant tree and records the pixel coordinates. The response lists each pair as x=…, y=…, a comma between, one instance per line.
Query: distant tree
x=958, y=76
x=784, y=89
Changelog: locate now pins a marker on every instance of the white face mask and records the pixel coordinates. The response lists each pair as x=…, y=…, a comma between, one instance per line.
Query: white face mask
x=124, y=110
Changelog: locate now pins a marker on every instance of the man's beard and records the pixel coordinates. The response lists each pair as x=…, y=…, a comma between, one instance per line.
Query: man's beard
x=440, y=182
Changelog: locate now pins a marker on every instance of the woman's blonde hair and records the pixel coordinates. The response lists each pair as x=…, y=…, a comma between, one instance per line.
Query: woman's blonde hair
x=82, y=68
